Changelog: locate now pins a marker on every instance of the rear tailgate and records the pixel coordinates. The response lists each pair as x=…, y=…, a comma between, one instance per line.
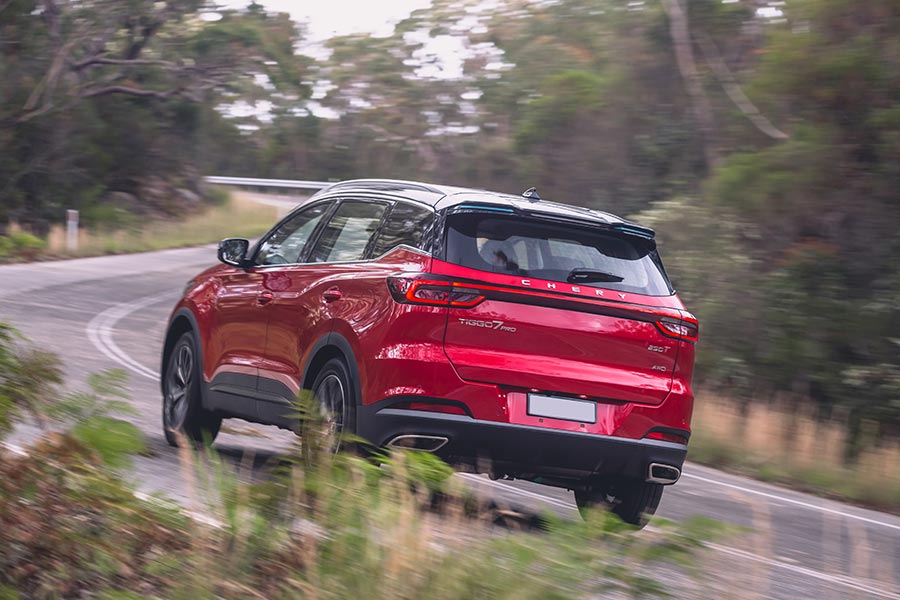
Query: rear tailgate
x=549, y=334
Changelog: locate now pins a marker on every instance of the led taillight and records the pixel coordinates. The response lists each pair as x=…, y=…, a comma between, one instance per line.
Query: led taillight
x=438, y=293
x=686, y=328
x=428, y=294
x=464, y=297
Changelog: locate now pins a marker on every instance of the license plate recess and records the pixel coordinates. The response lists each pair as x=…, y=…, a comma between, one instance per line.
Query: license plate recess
x=567, y=409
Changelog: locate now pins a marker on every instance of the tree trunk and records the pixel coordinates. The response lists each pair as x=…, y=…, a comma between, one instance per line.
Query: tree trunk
x=679, y=29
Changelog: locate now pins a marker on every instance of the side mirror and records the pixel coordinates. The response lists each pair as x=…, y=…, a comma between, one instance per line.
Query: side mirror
x=233, y=251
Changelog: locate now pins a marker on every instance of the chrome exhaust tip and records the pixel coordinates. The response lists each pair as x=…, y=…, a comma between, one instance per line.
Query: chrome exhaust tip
x=426, y=443
x=663, y=474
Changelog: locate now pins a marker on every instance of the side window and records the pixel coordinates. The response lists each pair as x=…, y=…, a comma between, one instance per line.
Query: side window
x=406, y=224
x=348, y=232
x=286, y=243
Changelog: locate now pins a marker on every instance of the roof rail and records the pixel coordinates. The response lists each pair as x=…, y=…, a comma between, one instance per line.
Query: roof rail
x=385, y=184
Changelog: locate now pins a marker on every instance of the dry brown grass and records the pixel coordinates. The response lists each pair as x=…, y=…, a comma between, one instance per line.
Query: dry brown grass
x=772, y=444
x=238, y=217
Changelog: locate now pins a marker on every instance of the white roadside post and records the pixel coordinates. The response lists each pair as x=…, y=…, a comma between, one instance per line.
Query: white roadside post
x=72, y=230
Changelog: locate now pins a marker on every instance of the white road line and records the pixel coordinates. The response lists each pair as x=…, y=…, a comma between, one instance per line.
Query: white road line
x=851, y=582
x=100, y=331
x=481, y=480
x=565, y=504
x=509, y=488
x=823, y=509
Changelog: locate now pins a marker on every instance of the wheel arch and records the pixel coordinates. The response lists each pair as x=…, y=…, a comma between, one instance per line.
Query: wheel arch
x=332, y=345
x=183, y=321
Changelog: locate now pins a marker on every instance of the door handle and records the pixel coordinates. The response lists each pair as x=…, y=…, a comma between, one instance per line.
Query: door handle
x=332, y=294
x=265, y=297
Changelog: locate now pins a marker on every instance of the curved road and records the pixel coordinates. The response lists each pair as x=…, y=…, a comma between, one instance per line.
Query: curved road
x=110, y=312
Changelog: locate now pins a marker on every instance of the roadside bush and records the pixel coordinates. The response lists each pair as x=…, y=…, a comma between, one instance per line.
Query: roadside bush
x=318, y=524
x=21, y=245
x=28, y=385
x=109, y=217
x=27, y=379
x=69, y=528
x=90, y=416
x=25, y=245
x=216, y=196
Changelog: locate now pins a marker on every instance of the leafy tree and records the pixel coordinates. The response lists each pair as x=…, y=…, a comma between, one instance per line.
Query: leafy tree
x=825, y=202
x=103, y=96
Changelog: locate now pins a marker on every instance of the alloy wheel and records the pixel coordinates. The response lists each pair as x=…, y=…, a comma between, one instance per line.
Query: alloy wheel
x=178, y=386
x=330, y=397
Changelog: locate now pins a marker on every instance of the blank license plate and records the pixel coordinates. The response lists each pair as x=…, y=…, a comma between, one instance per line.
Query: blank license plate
x=562, y=408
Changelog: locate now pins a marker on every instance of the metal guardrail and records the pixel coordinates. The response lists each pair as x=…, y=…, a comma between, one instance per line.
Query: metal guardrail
x=275, y=183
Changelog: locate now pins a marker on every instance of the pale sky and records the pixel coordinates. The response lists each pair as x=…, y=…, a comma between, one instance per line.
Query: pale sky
x=325, y=18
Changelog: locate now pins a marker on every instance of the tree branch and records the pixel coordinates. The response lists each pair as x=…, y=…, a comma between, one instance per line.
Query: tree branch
x=733, y=89
x=132, y=91
x=100, y=60
x=45, y=86
x=48, y=106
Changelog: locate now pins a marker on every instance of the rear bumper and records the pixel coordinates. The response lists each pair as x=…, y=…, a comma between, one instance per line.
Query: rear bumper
x=520, y=450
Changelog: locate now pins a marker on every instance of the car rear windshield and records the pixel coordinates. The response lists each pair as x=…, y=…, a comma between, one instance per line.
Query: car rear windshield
x=556, y=252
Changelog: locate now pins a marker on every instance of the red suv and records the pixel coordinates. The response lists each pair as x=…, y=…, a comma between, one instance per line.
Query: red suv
x=518, y=337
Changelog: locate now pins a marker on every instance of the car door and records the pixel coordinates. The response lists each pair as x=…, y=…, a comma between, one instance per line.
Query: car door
x=306, y=296
x=236, y=343
x=243, y=312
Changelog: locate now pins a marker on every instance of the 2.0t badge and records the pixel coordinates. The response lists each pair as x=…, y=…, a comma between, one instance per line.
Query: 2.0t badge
x=495, y=325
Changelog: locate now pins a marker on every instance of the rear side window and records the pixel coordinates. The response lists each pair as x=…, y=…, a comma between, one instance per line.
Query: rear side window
x=348, y=233
x=564, y=253
x=407, y=224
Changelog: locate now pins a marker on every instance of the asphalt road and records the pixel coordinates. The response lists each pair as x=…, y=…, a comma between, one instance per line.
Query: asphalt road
x=110, y=312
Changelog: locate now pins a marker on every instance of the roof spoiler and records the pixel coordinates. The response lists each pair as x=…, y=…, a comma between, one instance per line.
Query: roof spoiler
x=634, y=229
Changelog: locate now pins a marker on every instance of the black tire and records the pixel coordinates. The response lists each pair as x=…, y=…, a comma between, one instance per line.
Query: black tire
x=632, y=500
x=334, y=393
x=183, y=412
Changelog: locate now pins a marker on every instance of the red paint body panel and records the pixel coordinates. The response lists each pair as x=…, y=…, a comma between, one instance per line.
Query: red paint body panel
x=298, y=316
x=604, y=357
x=402, y=350
x=561, y=351
x=237, y=323
x=452, y=353
x=425, y=352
